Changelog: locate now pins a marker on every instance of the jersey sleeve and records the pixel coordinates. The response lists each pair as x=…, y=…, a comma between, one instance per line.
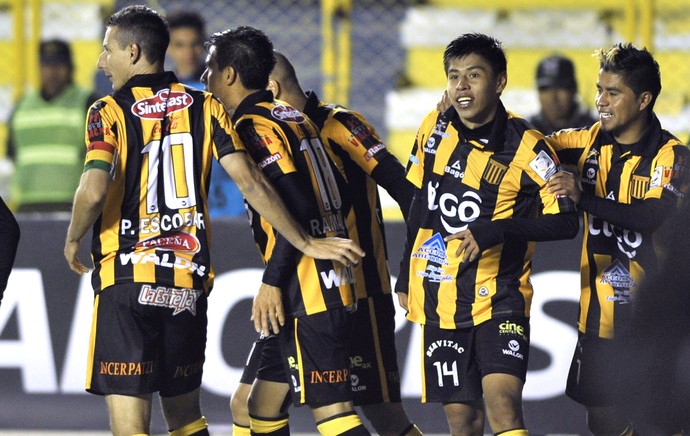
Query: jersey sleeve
x=266, y=146
x=571, y=144
x=415, y=168
x=362, y=144
x=102, y=145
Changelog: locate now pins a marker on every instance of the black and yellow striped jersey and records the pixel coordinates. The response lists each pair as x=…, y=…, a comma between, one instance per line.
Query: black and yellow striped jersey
x=285, y=144
x=618, y=249
x=360, y=154
x=154, y=227
x=477, y=184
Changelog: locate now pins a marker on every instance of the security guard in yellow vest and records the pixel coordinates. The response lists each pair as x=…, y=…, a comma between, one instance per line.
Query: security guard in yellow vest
x=46, y=141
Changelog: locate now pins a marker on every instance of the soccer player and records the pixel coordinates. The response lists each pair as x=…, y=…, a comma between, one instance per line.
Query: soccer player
x=303, y=306
x=9, y=240
x=143, y=193
x=632, y=175
x=480, y=201
x=359, y=152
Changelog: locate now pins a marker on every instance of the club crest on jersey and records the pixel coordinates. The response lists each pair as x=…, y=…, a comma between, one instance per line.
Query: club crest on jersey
x=288, y=114
x=164, y=102
x=179, y=241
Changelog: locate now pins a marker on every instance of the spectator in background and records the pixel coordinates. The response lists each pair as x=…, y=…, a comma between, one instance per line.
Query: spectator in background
x=9, y=240
x=185, y=57
x=46, y=140
x=558, y=98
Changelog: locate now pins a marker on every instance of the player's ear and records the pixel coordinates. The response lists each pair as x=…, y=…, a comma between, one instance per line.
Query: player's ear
x=274, y=87
x=645, y=99
x=230, y=75
x=135, y=53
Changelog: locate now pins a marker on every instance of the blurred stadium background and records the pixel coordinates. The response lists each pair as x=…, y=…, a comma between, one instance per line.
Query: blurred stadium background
x=383, y=57
x=380, y=57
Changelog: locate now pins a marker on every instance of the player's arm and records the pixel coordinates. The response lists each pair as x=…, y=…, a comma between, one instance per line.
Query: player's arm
x=9, y=240
x=669, y=184
x=89, y=200
x=363, y=145
x=267, y=308
x=412, y=225
x=263, y=197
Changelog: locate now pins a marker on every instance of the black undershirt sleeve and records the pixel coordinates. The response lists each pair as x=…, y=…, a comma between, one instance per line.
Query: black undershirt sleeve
x=541, y=228
x=413, y=224
x=639, y=217
x=390, y=174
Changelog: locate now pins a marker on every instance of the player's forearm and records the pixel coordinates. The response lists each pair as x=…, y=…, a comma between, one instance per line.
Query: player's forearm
x=86, y=209
x=267, y=202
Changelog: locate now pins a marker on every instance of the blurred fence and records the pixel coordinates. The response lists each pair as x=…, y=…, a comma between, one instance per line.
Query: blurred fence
x=383, y=57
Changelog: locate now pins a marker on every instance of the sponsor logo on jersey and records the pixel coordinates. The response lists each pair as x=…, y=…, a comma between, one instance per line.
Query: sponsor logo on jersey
x=354, y=382
x=443, y=343
x=358, y=362
x=543, y=165
x=433, y=250
x=455, y=170
x=288, y=114
x=430, y=144
x=512, y=328
x=513, y=348
x=166, y=260
x=628, y=241
x=164, y=102
x=330, y=376
x=179, y=241
x=188, y=370
x=178, y=299
x=622, y=282
x=275, y=157
x=672, y=189
x=371, y=152
x=126, y=368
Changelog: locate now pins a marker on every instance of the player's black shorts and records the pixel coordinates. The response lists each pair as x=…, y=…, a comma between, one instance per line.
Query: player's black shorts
x=594, y=371
x=373, y=358
x=147, y=338
x=251, y=366
x=456, y=360
x=311, y=354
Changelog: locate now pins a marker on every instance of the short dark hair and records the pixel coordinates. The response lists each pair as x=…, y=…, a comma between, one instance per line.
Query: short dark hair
x=187, y=19
x=636, y=66
x=485, y=46
x=145, y=27
x=249, y=51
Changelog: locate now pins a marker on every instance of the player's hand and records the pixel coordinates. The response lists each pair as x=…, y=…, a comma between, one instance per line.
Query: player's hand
x=70, y=251
x=444, y=104
x=565, y=184
x=267, y=310
x=402, y=300
x=342, y=250
x=468, y=245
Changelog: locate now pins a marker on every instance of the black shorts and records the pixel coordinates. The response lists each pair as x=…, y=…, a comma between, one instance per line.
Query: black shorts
x=147, y=338
x=594, y=371
x=251, y=366
x=456, y=360
x=373, y=358
x=311, y=354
